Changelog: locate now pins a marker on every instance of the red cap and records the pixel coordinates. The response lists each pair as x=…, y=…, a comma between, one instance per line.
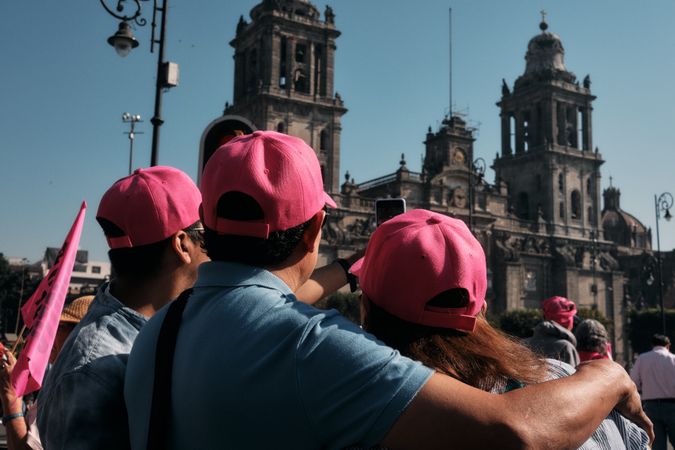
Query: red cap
x=278, y=171
x=415, y=256
x=150, y=205
x=560, y=310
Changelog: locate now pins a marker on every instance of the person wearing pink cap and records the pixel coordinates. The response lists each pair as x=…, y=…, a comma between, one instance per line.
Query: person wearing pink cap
x=424, y=280
x=553, y=337
x=151, y=222
x=238, y=362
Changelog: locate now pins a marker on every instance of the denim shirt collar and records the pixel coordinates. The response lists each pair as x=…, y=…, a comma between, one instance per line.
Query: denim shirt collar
x=106, y=304
x=229, y=274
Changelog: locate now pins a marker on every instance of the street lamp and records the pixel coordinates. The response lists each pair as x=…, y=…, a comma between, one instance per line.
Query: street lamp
x=132, y=120
x=124, y=41
x=662, y=203
x=477, y=168
x=594, y=258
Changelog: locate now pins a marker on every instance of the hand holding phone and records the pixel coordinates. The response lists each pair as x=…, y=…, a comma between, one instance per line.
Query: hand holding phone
x=386, y=208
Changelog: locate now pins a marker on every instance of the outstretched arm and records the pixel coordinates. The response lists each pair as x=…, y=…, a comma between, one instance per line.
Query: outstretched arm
x=559, y=414
x=325, y=281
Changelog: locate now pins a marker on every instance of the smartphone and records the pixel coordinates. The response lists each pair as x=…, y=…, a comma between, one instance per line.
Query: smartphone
x=386, y=208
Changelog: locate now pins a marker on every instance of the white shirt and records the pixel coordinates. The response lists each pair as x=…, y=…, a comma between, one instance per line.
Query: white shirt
x=654, y=374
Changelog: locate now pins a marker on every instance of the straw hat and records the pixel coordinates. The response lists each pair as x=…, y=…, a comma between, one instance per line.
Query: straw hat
x=74, y=311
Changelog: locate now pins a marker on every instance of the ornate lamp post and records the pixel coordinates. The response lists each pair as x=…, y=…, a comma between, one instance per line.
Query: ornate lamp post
x=594, y=258
x=132, y=120
x=662, y=204
x=124, y=41
x=477, y=169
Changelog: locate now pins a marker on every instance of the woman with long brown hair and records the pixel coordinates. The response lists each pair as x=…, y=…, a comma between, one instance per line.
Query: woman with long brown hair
x=424, y=281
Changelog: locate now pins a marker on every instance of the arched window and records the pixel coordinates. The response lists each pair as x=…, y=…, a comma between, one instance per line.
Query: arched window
x=323, y=140
x=560, y=183
x=561, y=210
x=523, y=206
x=590, y=215
x=281, y=127
x=576, y=204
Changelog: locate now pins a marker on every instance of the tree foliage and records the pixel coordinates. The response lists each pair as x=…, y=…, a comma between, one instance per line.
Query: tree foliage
x=10, y=292
x=643, y=324
x=346, y=304
x=519, y=322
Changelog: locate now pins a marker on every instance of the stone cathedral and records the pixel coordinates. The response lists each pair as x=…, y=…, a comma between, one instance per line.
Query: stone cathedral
x=546, y=227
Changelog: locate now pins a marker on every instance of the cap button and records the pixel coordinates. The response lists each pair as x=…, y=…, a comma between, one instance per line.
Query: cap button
x=257, y=133
x=137, y=171
x=433, y=220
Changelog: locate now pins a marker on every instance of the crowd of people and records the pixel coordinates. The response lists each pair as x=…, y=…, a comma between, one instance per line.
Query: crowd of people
x=206, y=336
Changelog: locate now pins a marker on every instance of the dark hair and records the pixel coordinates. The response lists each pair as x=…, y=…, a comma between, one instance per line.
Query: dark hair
x=485, y=358
x=660, y=339
x=245, y=249
x=591, y=336
x=145, y=261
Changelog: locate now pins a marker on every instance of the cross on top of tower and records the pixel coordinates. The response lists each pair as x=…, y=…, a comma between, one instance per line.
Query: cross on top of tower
x=610, y=181
x=543, y=25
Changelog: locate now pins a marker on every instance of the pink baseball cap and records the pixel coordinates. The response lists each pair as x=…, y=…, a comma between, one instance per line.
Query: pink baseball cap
x=278, y=171
x=560, y=310
x=415, y=256
x=150, y=205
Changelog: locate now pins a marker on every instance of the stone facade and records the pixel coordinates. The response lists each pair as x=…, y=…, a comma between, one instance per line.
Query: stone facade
x=540, y=222
x=283, y=80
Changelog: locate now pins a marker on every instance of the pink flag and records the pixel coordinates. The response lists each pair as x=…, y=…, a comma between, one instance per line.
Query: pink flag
x=42, y=312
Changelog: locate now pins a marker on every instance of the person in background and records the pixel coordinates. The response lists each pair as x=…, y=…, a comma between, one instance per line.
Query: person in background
x=654, y=375
x=553, y=337
x=19, y=420
x=239, y=350
x=592, y=340
x=424, y=280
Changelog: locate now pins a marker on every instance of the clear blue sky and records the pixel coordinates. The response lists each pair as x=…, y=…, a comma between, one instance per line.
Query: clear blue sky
x=63, y=91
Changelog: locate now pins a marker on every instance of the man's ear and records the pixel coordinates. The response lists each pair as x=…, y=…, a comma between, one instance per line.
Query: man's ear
x=312, y=234
x=180, y=243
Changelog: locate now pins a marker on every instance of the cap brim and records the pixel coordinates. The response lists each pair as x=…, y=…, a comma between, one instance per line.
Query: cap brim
x=357, y=267
x=329, y=201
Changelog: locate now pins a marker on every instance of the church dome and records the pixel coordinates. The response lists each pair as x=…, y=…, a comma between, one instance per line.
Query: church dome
x=545, y=58
x=545, y=52
x=621, y=227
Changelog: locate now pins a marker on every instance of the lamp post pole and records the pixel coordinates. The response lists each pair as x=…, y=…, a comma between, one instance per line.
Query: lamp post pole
x=124, y=41
x=18, y=309
x=662, y=203
x=132, y=120
x=476, y=167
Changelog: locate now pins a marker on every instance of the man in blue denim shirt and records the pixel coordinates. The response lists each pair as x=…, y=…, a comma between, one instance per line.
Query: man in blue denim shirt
x=151, y=223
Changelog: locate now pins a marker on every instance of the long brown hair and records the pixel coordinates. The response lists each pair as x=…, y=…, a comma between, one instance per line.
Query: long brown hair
x=485, y=358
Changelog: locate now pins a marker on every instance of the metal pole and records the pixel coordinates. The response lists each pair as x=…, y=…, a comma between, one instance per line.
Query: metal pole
x=658, y=262
x=450, y=61
x=471, y=195
x=131, y=146
x=18, y=309
x=157, y=118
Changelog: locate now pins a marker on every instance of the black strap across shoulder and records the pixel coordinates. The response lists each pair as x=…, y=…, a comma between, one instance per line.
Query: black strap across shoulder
x=160, y=411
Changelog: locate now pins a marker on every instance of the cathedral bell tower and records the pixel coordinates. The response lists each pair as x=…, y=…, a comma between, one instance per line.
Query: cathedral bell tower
x=547, y=156
x=283, y=77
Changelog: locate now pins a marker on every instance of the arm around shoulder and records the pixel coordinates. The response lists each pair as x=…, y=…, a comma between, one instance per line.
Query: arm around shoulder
x=559, y=414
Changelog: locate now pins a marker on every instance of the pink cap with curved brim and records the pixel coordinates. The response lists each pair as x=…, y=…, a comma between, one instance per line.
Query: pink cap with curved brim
x=280, y=172
x=559, y=310
x=150, y=205
x=415, y=256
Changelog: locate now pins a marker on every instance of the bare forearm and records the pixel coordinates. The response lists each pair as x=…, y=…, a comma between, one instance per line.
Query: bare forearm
x=324, y=281
x=559, y=414
x=563, y=413
x=17, y=431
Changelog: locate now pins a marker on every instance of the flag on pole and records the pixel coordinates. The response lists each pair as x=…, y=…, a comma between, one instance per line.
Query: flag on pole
x=42, y=312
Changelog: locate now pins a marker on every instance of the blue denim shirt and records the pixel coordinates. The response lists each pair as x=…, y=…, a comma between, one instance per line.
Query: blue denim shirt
x=81, y=404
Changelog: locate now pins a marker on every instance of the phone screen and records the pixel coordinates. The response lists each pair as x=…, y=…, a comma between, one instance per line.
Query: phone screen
x=387, y=208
